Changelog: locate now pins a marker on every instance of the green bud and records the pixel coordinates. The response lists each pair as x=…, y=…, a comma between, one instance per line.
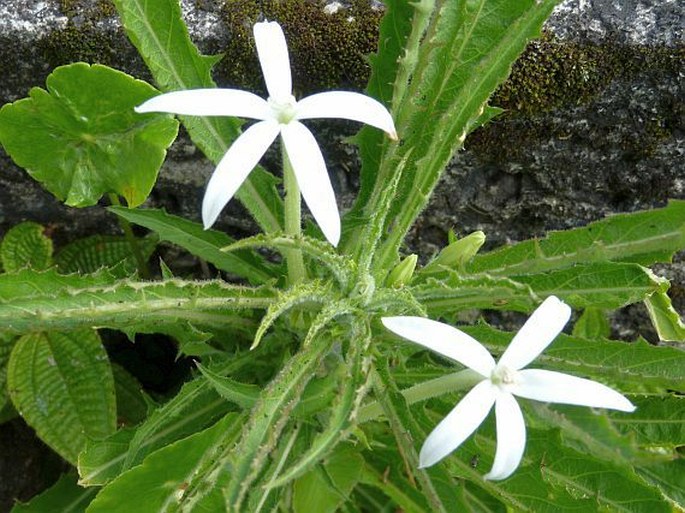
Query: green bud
x=403, y=272
x=458, y=253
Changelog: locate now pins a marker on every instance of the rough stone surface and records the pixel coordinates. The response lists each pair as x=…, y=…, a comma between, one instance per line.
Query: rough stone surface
x=634, y=22
x=606, y=137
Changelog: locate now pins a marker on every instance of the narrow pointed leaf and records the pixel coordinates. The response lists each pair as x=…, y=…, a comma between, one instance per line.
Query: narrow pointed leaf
x=641, y=237
x=32, y=301
x=466, y=52
x=159, y=483
x=202, y=243
x=600, y=285
x=665, y=319
x=340, y=266
x=156, y=29
x=243, y=395
x=65, y=496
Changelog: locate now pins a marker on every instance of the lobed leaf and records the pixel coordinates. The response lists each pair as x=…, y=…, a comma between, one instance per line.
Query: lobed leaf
x=81, y=139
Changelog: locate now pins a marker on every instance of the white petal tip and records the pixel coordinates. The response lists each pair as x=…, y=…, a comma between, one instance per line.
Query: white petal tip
x=494, y=477
x=625, y=406
x=393, y=136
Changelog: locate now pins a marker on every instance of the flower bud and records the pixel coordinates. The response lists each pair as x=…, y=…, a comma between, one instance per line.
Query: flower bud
x=403, y=272
x=458, y=253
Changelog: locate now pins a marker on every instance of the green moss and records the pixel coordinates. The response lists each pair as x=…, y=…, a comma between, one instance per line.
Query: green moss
x=326, y=50
x=553, y=73
x=88, y=9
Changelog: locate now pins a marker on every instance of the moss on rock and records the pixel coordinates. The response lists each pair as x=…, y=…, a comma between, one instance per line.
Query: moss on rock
x=326, y=50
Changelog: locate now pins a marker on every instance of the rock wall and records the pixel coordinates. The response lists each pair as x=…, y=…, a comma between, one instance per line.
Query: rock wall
x=595, y=124
x=595, y=115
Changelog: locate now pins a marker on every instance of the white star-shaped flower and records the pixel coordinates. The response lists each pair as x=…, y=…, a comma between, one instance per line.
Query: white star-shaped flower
x=501, y=382
x=279, y=114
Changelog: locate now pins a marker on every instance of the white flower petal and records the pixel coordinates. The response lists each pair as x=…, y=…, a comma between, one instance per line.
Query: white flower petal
x=511, y=437
x=273, y=58
x=312, y=178
x=458, y=425
x=443, y=339
x=209, y=102
x=347, y=105
x=537, y=333
x=235, y=165
x=556, y=387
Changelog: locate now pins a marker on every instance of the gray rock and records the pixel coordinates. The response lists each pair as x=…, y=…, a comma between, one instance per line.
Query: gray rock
x=633, y=22
x=608, y=138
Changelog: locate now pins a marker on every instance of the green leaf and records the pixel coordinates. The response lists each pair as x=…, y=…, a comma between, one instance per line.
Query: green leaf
x=161, y=481
x=90, y=254
x=31, y=301
x=65, y=496
x=401, y=19
x=455, y=293
x=62, y=385
x=301, y=294
x=656, y=424
x=439, y=490
x=668, y=477
x=243, y=395
x=205, y=244
x=665, y=319
x=132, y=403
x=267, y=420
x=592, y=323
x=320, y=251
x=642, y=237
x=554, y=479
x=81, y=138
x=600, y=284
x=595, y=486
x=466, y=52
x=7, y=341
x=156, y=29
x=637, y=366
x=195, y=407
x=341, y=415
x=313, y=492
x=25, y=245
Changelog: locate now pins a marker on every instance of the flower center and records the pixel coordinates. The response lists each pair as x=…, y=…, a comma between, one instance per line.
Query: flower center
x=283, y=108
x=503, y=376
